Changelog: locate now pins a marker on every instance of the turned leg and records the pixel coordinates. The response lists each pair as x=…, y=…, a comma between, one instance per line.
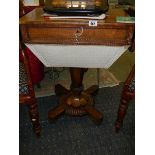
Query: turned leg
x=122, y=111
x=34, y=116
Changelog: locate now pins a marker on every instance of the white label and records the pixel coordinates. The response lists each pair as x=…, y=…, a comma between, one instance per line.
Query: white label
x=92, y=22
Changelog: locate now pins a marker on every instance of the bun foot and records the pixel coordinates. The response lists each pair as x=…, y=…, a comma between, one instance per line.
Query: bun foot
x=117, y=126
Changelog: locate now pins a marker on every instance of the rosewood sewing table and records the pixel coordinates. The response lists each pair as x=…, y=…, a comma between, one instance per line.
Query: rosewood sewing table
x=35, y=29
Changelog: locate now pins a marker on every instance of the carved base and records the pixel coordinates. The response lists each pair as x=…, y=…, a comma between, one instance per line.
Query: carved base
x=75, y=104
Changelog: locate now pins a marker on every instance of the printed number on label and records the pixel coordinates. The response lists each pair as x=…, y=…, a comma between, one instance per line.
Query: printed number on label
x=92, y=22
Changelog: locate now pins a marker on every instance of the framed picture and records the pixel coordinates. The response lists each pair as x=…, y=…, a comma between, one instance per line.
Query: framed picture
x=31, y=2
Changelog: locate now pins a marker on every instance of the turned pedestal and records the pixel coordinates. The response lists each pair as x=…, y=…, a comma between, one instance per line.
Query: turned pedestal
x=76, y=101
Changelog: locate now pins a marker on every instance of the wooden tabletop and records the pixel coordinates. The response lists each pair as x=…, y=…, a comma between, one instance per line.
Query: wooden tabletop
x=36, y=17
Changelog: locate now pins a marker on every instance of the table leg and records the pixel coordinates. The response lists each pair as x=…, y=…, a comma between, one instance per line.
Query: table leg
x=76, y=101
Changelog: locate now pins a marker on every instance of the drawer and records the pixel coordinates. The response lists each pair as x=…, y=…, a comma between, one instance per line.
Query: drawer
x=76, y=35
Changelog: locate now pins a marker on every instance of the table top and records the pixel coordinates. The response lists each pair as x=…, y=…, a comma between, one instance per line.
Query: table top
x=35, y=17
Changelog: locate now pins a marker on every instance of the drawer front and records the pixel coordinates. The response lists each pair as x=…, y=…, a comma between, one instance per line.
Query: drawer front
x=79, y=35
